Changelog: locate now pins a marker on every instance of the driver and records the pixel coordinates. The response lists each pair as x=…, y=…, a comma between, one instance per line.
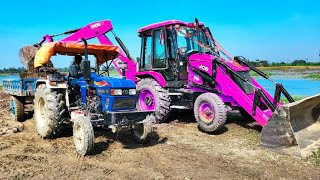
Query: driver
x=74, y=69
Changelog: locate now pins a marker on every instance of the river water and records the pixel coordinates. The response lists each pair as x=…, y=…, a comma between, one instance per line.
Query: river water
x=295, y=86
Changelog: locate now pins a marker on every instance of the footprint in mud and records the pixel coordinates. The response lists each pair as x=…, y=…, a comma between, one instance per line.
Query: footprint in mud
x=26, y=158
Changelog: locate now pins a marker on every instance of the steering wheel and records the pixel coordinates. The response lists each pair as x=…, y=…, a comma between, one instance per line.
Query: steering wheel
x=192, y=51
x=93, y=70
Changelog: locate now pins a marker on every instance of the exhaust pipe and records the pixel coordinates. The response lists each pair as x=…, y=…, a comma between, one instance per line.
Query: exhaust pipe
x=294, y=128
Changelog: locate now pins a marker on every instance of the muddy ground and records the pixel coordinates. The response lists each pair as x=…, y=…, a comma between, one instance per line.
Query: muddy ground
x=177, y=151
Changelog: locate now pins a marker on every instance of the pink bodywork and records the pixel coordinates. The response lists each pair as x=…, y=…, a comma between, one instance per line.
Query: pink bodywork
x=230, y=91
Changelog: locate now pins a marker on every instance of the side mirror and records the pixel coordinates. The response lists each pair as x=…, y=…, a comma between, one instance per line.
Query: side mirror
x=86, y=70
x=123, y=66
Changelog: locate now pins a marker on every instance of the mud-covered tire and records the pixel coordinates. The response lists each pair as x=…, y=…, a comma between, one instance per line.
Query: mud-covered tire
x=210, y=112
x=141, y=133
x=17, y=108
x=49, y=111
x=161, y=98
x=83, y=135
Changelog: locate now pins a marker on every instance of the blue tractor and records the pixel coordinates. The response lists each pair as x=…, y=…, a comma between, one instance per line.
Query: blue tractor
x=93, y=100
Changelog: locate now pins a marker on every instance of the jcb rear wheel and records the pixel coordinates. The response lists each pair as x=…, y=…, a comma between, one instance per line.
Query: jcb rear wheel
x=153, y=97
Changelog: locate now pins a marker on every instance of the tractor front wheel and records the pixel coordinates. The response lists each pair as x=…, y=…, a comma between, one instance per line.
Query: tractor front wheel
x=153, y=97
x=210, y=112
x=83, y=135
x=141, y=132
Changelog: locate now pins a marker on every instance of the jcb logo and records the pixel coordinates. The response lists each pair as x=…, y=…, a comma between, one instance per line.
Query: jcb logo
x=205, y=68
x=95, y=25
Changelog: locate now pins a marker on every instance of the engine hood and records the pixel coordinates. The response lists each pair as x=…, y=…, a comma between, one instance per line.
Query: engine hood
x=113, y=82
x=208, y=58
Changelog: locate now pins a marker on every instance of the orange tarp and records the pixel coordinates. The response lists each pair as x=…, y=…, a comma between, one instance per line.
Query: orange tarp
x=101, y=52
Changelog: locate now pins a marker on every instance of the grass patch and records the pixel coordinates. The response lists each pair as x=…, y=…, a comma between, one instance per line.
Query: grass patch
x=6, y=74
x=254, y=74
x=318, y=157
x=313, y=76
x=296, y=98
x=288, y=67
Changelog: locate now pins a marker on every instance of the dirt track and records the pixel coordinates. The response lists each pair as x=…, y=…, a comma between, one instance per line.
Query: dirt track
x=178, y=151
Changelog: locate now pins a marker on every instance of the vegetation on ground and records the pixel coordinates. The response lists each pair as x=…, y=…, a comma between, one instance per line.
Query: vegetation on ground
x=313, y=76
x=296, y=98
x=254, y=74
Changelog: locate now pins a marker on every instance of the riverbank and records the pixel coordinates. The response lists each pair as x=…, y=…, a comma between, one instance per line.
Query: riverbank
x=290, y=68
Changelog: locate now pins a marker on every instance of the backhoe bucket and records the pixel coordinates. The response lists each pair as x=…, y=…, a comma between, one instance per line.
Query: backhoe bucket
x=294, y=128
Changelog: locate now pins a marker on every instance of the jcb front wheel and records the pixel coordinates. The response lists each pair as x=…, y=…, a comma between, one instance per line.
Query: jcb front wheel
x=210, y=112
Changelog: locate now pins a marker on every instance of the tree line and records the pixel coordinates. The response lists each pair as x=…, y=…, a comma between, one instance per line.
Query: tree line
x=299, y=62
x=13, y=70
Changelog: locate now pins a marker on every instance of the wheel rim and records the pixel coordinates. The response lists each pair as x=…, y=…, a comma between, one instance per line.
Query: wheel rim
x=12, y=109
x=206, y=112
x=41, y=112
x=78, y=136
x=146, y=100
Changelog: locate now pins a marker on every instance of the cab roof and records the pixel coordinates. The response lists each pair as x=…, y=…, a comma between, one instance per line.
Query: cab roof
x=167, y=23
x=101, y=52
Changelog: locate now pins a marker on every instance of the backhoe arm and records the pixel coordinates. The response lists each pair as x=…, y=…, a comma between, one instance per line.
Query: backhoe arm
x=98, y=30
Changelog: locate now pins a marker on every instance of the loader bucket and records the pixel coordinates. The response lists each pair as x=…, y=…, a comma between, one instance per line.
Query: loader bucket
x=27, y=54
x=294, y=128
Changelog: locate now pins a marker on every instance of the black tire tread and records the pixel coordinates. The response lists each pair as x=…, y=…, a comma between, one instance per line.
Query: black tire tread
x=220, y=112
x=162, y=110
x=55, y=108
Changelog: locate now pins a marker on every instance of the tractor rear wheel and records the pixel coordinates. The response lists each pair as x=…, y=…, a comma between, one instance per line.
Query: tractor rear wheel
x=153, y=97
x=17, y=108
x=49, y=111
x=83, y=135
x=210, y=112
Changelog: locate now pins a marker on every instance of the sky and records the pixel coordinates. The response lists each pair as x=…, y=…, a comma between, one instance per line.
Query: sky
x=273, y=30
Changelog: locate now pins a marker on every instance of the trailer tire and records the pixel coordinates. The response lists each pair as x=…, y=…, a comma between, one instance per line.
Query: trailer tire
x=49, y=111
x=153, y=97
x=141, y=132
x=83, y=135
x=210, y=112
x=17, y=108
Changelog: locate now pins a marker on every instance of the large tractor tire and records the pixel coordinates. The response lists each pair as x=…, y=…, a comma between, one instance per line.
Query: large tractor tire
x=17, y=108
x=153, y=97
x=49, y=111
x=141, y=132
x=210, y=112
x=83, y=135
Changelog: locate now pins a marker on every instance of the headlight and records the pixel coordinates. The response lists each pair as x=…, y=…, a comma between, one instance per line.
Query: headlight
x=116, y=92
x=132, y=92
